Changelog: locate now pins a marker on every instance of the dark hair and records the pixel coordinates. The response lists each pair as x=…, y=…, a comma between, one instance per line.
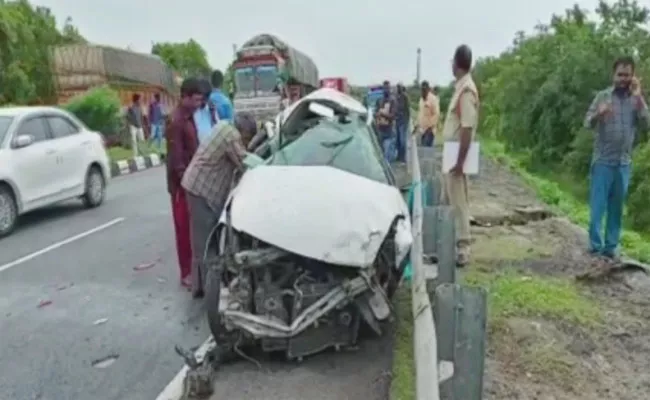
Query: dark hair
x=190, y=87
x=624, y=61
x=217, y=78
x=424, y=84
x=156, y=96
x=436, y=89
x=135, y=97
x=386, y=83
x=245, y=121
x=463, y=57
x=206, y=87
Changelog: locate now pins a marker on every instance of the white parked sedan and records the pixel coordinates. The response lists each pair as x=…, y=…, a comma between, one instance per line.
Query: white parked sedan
x=46, y=156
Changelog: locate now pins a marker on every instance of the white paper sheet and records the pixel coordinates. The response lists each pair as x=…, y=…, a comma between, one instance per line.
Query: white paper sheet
x=450, y=155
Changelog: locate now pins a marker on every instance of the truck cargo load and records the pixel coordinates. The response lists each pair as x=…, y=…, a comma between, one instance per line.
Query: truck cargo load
x=79, y=67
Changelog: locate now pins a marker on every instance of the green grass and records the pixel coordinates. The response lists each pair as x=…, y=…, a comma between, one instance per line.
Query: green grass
x=403, y=375
x=513, y=294
x=122, y=153
x=634, y=244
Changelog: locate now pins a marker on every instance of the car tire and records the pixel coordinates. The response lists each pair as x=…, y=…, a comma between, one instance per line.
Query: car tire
x=95, y=188
x=8, y=211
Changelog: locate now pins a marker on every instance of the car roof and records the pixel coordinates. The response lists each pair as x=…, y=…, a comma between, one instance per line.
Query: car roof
x=26, y=110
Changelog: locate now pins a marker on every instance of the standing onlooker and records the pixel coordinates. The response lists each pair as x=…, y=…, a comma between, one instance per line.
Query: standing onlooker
x=182, y=142
x=221, y=102
x=157, y=121
x=134, y=121
x=205, y=116
x=615, y=114
x=428, y=114
x=208, y=180
x=402, y=119
x=384, y=119
x=460, y=126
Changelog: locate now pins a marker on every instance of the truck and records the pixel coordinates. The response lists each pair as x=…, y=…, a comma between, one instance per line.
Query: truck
x=338, y=83
x=80, y=67
x=268, y=74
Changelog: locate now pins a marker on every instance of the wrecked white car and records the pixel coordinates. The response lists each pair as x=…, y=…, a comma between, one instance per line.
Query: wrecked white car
x=314, y=238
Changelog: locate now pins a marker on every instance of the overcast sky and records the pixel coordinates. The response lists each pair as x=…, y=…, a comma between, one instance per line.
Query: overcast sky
x=364, y=41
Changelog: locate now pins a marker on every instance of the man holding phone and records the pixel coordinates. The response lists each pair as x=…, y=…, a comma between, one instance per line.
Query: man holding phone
x=615, y=115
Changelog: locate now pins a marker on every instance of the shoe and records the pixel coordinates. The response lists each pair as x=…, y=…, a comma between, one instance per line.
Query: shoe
x=462, y=259
x=186, y=282
x=611, y=256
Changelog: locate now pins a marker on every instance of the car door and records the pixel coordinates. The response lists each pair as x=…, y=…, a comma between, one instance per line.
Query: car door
x=72, y=145
x=35, y=165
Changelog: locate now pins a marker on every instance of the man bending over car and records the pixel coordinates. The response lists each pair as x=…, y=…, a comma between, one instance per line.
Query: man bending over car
x=212, y=173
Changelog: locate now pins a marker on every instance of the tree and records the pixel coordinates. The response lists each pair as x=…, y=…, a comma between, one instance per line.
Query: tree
x=26, y=35
x=188, y=58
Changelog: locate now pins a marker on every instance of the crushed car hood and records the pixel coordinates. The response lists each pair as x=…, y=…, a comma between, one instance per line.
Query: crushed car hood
x=319, y=212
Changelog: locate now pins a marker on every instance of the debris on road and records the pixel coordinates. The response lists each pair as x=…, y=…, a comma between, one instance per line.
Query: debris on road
x=198, y=383
x=144, y=266
x=65, y=286
x=105, y=362
x=44, y=303
x=100, y=321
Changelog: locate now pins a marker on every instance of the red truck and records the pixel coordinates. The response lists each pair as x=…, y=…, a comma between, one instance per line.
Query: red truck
x=340, y=84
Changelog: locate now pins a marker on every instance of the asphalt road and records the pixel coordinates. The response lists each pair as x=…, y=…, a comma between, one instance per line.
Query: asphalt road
x=100, y=306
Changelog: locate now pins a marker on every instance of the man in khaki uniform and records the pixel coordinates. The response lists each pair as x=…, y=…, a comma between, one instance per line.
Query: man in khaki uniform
x=460, y=126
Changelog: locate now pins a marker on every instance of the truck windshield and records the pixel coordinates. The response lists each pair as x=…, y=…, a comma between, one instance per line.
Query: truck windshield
x=267, y=76
x=245, y=82
x=5, y=122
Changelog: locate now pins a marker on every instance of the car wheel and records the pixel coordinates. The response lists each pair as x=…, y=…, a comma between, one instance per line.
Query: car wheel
x=8, y=211
x=95, y=188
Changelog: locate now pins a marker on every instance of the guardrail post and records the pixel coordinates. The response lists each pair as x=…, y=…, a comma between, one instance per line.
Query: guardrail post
x=461, y=338
x=446, y=244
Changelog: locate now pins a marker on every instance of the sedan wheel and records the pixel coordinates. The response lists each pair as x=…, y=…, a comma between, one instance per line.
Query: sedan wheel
x=95, y=188
x=8, y=212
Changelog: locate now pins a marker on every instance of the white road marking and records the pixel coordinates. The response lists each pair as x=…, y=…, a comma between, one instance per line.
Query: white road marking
x=59, y=244
x=174, y=389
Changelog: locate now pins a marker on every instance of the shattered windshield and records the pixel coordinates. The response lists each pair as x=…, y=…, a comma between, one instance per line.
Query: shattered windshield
x=347, y=146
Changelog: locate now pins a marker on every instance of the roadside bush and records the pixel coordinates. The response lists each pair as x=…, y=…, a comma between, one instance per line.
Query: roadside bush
x=98, y=108
x=639, y=190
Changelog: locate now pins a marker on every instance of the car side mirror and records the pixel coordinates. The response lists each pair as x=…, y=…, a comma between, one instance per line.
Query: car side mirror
x=23, y=141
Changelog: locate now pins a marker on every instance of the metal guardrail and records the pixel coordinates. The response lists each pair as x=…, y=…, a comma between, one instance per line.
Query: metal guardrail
x=449, y=362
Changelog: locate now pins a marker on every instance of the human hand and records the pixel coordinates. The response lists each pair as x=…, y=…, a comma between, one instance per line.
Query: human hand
x=604, y=109
x=456, y=170
x=635, y=86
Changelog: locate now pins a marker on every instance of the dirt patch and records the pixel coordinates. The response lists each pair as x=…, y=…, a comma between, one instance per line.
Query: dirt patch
x=552, y=336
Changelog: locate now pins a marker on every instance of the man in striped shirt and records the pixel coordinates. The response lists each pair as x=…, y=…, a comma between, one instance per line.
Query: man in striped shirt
x=615, y=115
x=212, y=173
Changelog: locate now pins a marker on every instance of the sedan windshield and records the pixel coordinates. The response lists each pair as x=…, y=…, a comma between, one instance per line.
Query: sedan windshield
x=5, y=122
x=348, y=146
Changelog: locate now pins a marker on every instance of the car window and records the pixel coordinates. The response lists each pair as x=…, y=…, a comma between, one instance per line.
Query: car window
x=61, y=127
x=5, y=122
x=35, y=127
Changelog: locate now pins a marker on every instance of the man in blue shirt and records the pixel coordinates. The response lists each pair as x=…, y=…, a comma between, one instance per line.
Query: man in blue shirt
x=157, y=121
x=220, y=101
x=205, y=115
